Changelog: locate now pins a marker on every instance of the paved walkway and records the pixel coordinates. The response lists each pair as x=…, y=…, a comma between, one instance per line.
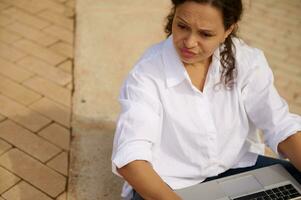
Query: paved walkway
x=106, y=54
x=36, y=56
x=36, y=59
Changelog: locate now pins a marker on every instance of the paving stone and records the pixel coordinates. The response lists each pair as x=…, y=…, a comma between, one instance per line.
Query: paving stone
x=22, y=115
x=63, y=48
x=70, y=86
x=17, y=92
x=7, y=180
x=10, y=53
x=4, y=146
x=52, y=5
x=8, y=36
x=27, y=141
x=71, y=3
x=62, y=196
x=57, y=19
x=57, y=135
x=50, y=90
x=292, y=77
x=10, y=70
x=26, y=18
x=281, y=82
x=66, y=66
x=57, y=112
x=61, y=1
x=45, y=70
x=24, y=191
x=34, y=172
x=286, y=94
x=63, y=34
x=39, y=51
x=69, y=12
x=295, y=108
x=5, y=20
x=32, y=34
x=60, y=163
x=295, y=88
x=3, y=6
x=32, y=6
x=298, y=100
x=2, y=118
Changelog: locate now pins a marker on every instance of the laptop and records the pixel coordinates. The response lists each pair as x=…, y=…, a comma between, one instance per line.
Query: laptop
x=272, y=182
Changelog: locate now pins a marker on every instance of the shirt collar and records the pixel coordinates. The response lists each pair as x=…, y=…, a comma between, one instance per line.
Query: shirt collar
x=174, y=69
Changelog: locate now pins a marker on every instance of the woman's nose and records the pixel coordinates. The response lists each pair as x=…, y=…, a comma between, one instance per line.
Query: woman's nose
x=190, y=41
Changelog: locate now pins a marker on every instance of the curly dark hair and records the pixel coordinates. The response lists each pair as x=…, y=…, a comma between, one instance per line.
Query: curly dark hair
x=231, y=11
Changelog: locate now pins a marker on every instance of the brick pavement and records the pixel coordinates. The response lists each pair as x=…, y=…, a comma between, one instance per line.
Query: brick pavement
x=36, y=58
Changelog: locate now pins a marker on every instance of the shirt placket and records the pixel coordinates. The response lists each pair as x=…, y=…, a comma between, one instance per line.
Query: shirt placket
x=210, y=129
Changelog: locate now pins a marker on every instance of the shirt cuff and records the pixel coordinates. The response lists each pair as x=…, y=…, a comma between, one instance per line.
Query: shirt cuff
x=140, y=150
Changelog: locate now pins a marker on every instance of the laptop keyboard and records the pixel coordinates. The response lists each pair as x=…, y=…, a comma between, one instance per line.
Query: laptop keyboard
x=285, y=192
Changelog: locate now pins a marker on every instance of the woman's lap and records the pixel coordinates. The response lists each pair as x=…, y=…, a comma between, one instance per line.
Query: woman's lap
x=262, y=161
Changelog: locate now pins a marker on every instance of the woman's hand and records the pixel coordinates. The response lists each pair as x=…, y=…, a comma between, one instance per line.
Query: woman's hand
x=291, y=148
x=143, y=178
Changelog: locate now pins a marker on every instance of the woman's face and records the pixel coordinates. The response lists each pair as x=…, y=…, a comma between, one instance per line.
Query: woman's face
x=197, y=31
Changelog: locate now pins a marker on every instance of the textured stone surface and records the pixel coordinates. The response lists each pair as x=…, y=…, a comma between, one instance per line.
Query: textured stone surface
x=57, y=134
x=34, y=172
x=60, y=163
x=50, y=90
x=7, y=179
x=34, y=63
x=24, y=191
x=45, y=70
x=55, y=111
x=10, y=53
x=102, y=61
x=21, y=114
x=26, y=18
x=39, y=51
x=4, y=146
x=13, y=72
x=17, y=92
x=32, y=34
x=27, y=141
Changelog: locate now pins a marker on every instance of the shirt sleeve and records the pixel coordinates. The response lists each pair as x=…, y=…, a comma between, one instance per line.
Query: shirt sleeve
x=265, y=108
x=139, y=124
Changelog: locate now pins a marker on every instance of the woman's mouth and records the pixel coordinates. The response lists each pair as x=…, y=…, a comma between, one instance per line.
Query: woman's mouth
x=186, y=53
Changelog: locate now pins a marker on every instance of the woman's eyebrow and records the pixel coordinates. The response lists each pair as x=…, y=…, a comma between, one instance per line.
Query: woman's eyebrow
x=183, y=20
x=201, y=29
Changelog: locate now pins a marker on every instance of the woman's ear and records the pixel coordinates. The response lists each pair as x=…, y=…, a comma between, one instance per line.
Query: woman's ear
x=229, y=31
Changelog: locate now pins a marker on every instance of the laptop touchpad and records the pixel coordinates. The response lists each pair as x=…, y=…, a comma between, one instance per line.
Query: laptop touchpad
x=239, y=186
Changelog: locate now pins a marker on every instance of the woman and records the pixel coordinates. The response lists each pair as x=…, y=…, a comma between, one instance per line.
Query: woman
x=191, y=106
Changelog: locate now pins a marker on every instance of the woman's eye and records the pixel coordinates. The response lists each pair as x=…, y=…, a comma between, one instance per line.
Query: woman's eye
x=206, y=34
x=182, y=26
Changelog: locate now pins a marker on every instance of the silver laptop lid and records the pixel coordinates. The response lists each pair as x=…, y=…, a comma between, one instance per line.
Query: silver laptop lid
x=239, y=185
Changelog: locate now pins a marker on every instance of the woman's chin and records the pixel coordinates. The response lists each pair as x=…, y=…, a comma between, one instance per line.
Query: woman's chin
x=187, y=60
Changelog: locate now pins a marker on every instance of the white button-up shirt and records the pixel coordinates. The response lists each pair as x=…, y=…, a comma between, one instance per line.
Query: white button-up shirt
x=188, y=135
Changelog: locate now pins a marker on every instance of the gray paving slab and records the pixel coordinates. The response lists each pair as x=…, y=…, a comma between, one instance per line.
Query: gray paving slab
x=110, y=37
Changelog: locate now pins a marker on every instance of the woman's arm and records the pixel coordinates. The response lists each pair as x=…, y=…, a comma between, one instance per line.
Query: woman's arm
x=141, y=176
x=291, y=148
